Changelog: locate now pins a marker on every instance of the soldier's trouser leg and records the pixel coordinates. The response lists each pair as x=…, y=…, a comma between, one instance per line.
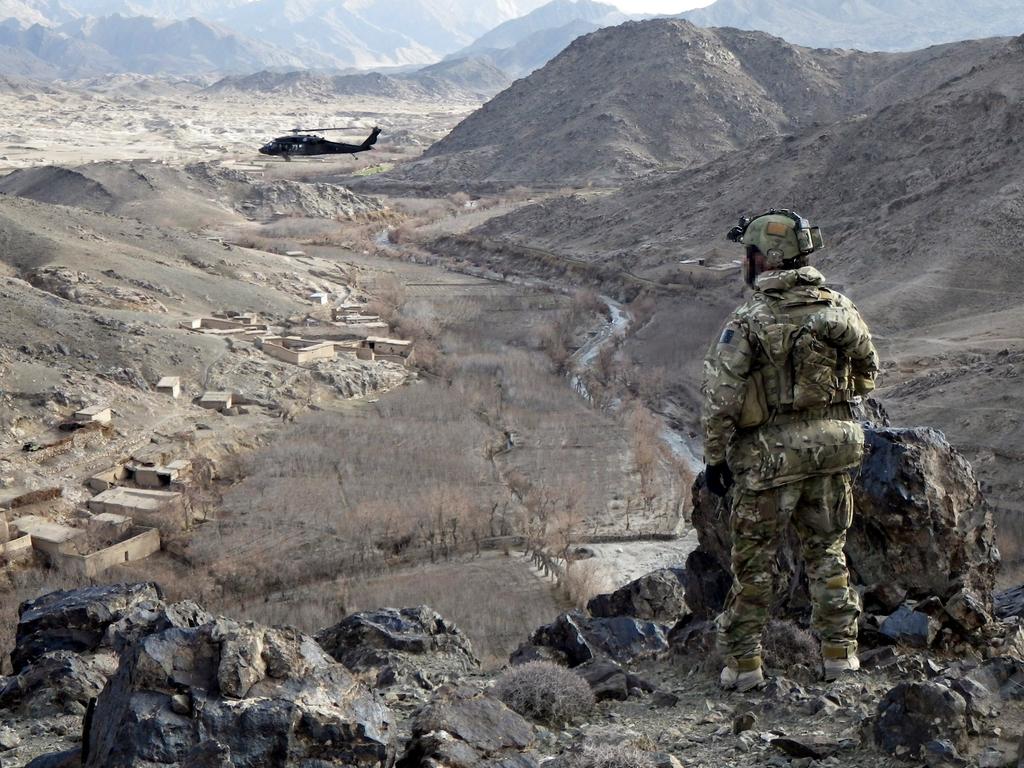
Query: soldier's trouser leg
x=821, y=518
x=754, y=526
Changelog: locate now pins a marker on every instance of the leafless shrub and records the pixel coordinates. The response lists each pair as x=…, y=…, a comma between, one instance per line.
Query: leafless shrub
x=646, y=444
x=787, y=645
x=459, y=199
x=585, y=580
x=607, y=756
x=544, y=691
x=642, y=310
x=554, y=339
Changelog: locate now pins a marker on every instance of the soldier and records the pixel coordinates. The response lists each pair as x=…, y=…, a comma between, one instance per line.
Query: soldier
x=779, y=385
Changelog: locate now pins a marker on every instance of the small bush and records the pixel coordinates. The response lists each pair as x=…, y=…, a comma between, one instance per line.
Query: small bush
x=786, y=645
x=544, y=691
x=585, y=580
x=607, y=756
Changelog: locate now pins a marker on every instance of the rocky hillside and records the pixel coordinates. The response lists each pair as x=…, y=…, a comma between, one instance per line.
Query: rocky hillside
x=627, y=100
x=870, y=25
x=193, y=197
x=110, y=676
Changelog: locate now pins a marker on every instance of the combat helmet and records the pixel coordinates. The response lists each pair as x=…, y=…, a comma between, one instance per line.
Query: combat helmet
x=780, y=235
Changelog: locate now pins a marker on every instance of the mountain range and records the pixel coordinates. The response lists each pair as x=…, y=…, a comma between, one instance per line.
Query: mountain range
x=869, y=25
x=73, y=38
x=251, y=35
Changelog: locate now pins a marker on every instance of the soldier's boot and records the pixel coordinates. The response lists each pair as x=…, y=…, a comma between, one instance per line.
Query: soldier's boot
x=838, y=660
x=742, y=674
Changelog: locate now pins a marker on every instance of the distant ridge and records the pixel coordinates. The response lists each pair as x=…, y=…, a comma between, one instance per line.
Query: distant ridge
x=870, y=25
x=461, y=80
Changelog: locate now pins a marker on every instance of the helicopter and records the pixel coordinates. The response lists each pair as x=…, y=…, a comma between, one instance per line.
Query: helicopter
x=298, y=143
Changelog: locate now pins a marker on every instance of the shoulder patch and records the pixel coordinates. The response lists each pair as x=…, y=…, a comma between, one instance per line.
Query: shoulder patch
x=727, y=335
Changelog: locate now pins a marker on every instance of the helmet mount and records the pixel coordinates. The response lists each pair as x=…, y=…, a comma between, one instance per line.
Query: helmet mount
x=780, y=235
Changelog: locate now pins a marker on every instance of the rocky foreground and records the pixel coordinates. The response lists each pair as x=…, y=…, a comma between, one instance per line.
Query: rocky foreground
x=114, y=676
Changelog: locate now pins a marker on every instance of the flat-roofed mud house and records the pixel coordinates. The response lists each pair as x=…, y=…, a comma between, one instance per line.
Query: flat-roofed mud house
x=169, y=385
x=295, y=349
x=107, y=540
x=394, y=350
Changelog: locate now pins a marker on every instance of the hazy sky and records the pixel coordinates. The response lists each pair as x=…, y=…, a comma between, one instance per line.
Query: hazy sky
x=659, y=6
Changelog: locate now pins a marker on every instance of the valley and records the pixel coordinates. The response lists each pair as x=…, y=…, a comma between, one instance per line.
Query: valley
x=463, y=370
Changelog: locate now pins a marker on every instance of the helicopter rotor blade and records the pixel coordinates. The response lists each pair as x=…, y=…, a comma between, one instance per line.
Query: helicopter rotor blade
x=311, y=130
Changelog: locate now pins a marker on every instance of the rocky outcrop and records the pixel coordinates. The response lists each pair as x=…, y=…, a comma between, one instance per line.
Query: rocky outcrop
x=236, y=694
x=921, y=529
x=658, y=596
x=462, y=728
x=67, y=643
x=59, y=681
x=934, y=719
x=414, y=646
x=75, y=620
x=574, y=639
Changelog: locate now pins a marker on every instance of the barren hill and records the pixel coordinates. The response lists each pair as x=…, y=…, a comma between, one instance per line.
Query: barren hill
x=193, y=197
x=660, y=94
x=922, y=204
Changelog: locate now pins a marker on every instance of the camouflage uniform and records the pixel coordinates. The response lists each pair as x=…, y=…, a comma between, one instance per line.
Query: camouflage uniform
x=778, y=384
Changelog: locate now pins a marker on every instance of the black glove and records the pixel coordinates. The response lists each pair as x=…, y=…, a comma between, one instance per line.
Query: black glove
x=718, y=478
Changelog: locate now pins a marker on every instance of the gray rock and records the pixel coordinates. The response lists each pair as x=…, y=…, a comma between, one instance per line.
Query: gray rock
x=71, y=758
x=462, y=727
x=920, y=522
x=583, y=639
x=56, y=680
x=411, y=646
x=265, y=696
x=1009, y=603
x=658, y=596
x=606, y=679
x=74, y=620
x=8, y=738
x=910, y=627
x=942, y=754
x=967, y=610
x=914, y=714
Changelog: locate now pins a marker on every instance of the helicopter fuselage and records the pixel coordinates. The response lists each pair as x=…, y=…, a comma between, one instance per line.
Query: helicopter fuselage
x=300, y=144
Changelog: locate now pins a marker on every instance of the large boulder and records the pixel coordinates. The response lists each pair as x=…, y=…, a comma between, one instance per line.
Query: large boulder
x=575, y=639
x=239, y=695
x=67, y=642
x=75, y=620
x=657, y=596
x=414, y=646
x=462, y=728
x=913, y=714
x=921, y=527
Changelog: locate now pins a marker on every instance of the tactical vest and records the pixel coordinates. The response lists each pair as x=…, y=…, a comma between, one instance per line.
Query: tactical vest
x=795, y=373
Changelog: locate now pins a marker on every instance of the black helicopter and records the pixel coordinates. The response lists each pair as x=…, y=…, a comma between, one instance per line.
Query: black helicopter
x=298, y=143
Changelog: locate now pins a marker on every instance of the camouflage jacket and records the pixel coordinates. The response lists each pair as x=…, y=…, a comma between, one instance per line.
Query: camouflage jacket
x=777, y=380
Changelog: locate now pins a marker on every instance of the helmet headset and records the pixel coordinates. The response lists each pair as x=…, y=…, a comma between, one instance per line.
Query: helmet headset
x=781, y=237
